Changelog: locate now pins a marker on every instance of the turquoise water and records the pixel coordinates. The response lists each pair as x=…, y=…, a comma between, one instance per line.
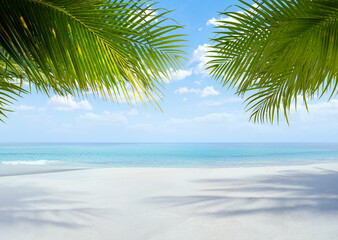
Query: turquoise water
x=169, y=155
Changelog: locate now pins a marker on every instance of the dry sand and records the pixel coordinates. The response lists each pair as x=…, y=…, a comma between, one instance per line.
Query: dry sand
x=291, y=202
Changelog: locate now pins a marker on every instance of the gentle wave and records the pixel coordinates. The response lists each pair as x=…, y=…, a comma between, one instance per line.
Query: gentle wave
x=167, y=155
x=37, y=162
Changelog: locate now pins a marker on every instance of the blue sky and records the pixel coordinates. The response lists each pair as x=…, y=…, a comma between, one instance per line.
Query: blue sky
x=195, y=108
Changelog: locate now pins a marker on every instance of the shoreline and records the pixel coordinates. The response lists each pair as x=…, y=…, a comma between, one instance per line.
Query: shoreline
x=29, y=169
x=288, y=202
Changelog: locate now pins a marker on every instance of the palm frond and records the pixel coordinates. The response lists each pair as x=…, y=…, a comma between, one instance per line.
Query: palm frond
x=11, y=83
x=9, y=92
x=276, y=52
x=80, y=46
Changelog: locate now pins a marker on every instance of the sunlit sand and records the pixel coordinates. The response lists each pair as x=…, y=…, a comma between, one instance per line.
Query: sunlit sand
x=290, y=202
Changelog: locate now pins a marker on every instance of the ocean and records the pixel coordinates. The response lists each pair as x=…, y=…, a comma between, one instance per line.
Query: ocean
x=168, y=154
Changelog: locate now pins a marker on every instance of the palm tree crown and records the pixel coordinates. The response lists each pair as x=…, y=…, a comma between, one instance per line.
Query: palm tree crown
x=276, y=52
x=111, y=48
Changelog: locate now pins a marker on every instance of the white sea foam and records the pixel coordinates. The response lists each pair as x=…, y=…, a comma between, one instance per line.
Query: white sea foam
x=37, y=162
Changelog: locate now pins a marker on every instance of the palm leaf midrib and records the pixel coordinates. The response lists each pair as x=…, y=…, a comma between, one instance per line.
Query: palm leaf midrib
x=72, y=17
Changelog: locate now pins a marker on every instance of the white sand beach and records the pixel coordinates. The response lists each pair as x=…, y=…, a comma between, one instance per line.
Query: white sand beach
x=282, y=203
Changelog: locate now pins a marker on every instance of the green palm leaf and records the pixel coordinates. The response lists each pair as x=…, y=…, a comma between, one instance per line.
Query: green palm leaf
x=110, y=48
x=277, y=52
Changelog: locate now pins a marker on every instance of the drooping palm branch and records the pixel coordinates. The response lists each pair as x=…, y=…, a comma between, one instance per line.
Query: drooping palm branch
x=277, y=51
x=112, y=48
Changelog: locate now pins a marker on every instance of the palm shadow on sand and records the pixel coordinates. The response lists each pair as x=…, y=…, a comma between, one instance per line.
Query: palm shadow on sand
x=289, y=191
x=36, y=206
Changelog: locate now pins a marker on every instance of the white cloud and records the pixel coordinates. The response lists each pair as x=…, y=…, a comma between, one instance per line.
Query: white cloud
x=200, y=56
x=178, y=75
x=198, y=82
x=200, y=29
x=254, y=6
x=181, y=74
x=209, y=90
x=199, y=53
x=67, y=103
x=106, y=116
x=218, y=118
x=24, y=108
x=151, y=14
x=215, y=22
